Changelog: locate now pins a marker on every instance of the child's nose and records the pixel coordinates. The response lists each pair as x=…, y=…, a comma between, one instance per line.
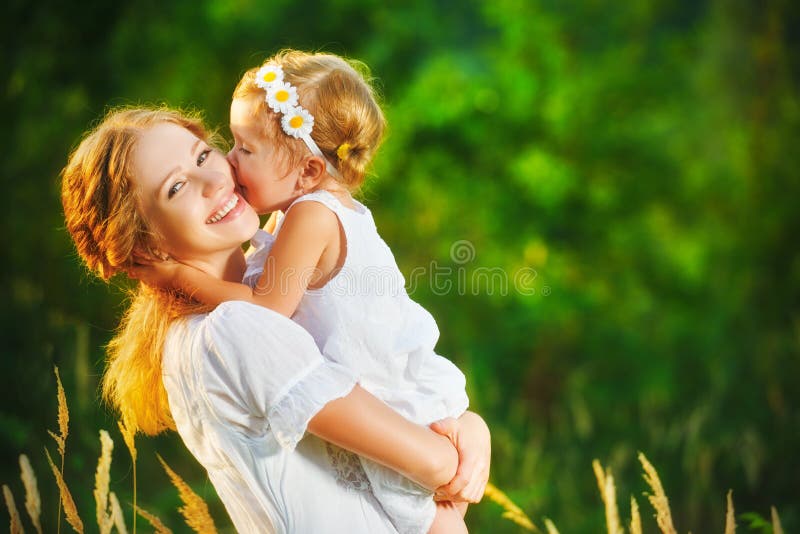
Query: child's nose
x=232, y=157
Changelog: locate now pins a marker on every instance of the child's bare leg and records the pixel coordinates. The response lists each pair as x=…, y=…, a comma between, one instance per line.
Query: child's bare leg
x=449, y=519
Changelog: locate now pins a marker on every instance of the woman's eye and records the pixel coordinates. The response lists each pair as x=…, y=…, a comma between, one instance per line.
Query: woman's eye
x=177, y=186
x=203, y=157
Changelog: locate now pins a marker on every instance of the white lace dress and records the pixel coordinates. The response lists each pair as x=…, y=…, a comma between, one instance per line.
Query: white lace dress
x=364, y=319
x=242, y=383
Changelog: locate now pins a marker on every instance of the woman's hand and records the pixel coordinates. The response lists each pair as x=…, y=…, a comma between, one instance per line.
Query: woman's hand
x=470, y=436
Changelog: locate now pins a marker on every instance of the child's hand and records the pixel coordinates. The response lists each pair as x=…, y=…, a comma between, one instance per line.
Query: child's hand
x=470, y=436
x=157, y=273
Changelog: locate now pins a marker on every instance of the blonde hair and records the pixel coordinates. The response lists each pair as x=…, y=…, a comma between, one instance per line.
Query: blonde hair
x=348, y=121
x=101, y=212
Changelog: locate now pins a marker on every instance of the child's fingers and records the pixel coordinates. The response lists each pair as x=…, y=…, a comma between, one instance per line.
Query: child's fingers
x=445, y=427
x=455, y=487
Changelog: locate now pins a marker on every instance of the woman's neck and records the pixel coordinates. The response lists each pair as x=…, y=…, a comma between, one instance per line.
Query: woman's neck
x=229, y=265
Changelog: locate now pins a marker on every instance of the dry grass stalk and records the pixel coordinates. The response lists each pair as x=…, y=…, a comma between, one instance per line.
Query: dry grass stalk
x=116, y=513
x=730, y=520
x=16, y=522
x=128, y=436
x=101, y=482
x=195, y=510
x=659, y=498
x=636, y=520
x=156, y=522
x=551, y=528
x=608, y=492
x=66, y=498
x=776, y=521
x=33, y=502
x=63, y=418
x=63, y=429
x=512, y=512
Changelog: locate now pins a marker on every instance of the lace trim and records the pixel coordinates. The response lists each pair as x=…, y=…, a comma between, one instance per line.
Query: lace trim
x=347, y=469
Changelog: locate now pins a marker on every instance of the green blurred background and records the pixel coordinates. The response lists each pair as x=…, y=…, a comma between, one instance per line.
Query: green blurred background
x=640, y=157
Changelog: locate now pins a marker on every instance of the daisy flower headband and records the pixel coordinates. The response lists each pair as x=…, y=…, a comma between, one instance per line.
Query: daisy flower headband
x=296, y=121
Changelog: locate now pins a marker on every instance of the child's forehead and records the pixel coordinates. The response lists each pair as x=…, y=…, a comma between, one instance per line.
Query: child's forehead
x=243, y=114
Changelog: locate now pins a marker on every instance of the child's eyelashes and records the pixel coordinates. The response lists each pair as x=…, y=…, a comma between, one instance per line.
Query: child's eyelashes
x=243, y=150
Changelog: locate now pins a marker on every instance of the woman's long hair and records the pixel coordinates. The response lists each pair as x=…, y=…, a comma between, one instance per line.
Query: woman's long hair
x=101, y=211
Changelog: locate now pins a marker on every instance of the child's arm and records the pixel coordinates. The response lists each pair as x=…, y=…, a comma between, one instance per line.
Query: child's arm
x=308, y=229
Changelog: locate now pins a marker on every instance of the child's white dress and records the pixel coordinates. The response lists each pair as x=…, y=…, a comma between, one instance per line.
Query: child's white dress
x=364, y=319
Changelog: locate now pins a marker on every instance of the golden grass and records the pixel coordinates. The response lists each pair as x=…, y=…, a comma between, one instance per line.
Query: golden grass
x=551, y=528
x=608, y=492
x=194, y=510
x=776, y=522
x=196, y=514
x=16, y=522
x=63, y=418
x=658, y=499
x=155, y=521
x=511, y=511
x=636, y=520
x=102, y=479
x=130, y=442
x=116, y=514
x=63, y=429
x=33, y=502
x=730, y=520
x=66, y=498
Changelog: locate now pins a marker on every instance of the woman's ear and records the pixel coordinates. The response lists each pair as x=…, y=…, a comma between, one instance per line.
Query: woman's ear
x=312, y=173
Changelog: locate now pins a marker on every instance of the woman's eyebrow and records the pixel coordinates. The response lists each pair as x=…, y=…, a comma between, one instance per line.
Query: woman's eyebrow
x=176, y=168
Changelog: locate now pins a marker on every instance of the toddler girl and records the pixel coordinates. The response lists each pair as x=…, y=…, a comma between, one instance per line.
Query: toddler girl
x=305, y=127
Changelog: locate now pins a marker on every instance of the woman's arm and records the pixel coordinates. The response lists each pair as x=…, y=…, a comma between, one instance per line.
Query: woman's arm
x=363, y=424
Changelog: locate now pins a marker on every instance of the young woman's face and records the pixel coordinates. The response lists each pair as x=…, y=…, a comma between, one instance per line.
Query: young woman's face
x=267, y=180
x=186, y=192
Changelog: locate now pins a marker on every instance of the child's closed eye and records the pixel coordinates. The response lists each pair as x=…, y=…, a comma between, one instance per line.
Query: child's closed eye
x=243, y=150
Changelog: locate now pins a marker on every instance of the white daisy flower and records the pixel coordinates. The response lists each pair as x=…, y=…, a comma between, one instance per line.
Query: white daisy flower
x=297, y=122
x=268, y=75
x=281, y=97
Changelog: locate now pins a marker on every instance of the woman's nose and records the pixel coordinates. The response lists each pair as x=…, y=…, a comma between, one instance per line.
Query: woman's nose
x=213, y=181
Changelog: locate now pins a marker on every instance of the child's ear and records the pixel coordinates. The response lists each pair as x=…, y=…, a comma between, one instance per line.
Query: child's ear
x=312, y=173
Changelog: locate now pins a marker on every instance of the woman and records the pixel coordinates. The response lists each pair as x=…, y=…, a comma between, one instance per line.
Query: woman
x=240, y=384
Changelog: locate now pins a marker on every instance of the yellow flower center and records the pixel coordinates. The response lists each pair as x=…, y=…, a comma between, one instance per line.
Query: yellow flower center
x=296, y=121
x=269, y=77
x=282, y=95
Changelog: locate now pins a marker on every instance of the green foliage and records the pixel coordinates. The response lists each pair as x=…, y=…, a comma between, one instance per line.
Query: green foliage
x=641, y=158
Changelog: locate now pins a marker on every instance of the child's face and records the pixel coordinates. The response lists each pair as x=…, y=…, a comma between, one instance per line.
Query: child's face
x=263, y=172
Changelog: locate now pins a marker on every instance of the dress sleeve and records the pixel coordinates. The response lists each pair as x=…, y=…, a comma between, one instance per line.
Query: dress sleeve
x=271, y=368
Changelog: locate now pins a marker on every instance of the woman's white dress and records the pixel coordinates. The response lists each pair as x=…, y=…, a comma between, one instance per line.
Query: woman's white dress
x=364, y=320
x=242, y=383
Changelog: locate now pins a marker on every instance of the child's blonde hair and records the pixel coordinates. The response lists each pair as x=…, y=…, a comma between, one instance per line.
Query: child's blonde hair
x=348, y=121
x=101, y=211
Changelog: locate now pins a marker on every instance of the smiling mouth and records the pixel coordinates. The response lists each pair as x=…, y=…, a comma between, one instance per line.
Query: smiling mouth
x=224, y=210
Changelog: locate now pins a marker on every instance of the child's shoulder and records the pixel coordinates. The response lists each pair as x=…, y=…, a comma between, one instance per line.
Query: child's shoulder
x=311, y=215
